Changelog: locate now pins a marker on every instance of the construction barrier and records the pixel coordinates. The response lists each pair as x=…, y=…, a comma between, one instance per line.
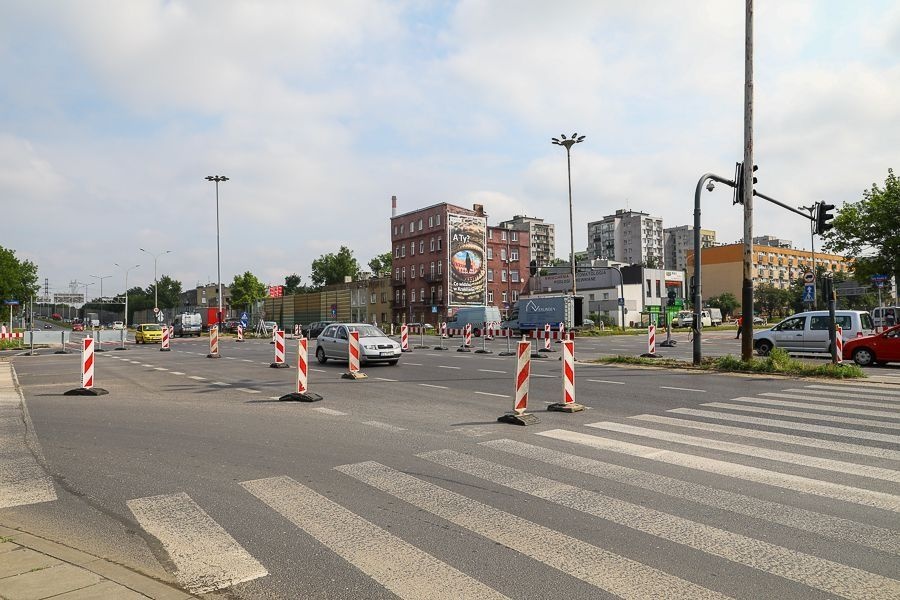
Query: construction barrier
x=213, y=342
x=839, y=344
x=487, y=330
x=548, y=334
x=467, y=339
x=442, y=336
x=87, y=372
x=302, y=393
x=353, y=358
x=562, y=333
x=12, y=336
x=568, y=403
x=274, y=332
x=404, y=338
x=164, y=346
x=651, y=342
x=279, y=351
x=523, y=377
x=240, y=333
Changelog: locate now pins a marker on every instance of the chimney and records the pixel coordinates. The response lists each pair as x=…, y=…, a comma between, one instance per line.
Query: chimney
x=479, y=209
x=393, y=206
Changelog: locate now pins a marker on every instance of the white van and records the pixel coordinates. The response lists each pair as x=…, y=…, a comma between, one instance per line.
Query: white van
x=808, y=331
x=476, y=315
x=886, y=316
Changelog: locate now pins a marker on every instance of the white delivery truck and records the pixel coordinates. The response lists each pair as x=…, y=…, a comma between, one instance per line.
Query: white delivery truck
x=537, y=311
x=477, y=316
x=187, y=324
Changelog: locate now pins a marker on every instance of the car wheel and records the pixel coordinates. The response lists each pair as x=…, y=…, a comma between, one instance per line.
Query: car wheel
x=393, y=362
x=763, y=347
x=320, y=355
x=863, y=357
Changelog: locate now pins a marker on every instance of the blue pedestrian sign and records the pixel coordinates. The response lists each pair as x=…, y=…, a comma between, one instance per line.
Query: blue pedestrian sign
x=244, y=320
x=11, y=302
x=621, y=301
x=809, y=293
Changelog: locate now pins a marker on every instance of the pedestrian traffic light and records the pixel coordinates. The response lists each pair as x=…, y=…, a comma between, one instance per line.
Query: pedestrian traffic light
x=532, y=268
x=739, y=182
x=671, y=300
x=823, y=217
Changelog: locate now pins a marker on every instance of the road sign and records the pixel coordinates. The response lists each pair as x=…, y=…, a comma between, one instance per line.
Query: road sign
x=159, y=317
x=334, y=310
x=809, y=293
x=11, y=302
x=156, y=310
x=621, y=301
x=244, y=320
x=879, y=283
x=809, y=277
x=434, y=309
x=879, y=278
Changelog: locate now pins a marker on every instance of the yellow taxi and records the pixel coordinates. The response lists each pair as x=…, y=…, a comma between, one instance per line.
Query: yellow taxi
x=148, y=333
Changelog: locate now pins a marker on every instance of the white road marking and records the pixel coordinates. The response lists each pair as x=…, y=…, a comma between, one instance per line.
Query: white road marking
x=230, y=358
x=619, y=575
x=177, y=373
x=774, y=437
x=881, y=391
x=247, y=390
x=809, y=396
x=606, y=381
x=796, y=566
x=820, y=407
x=196, y=378
x=330, y=411
x=148, y=366
x=851, y=433
x=446, y=367
x=838, y=466
x=797, y=483
x=385, y=379
x=472, y=431
x=802, y=415
x=490, y=394
x=207, y=558
x=220, y=383
x=492, y=371
x=542, y=375
x=397, y=565
x=385, y=426
x=442, y=387
x=160, y=369
x=820, y=524
x=246, y=360
x=680, y=389
x=412, y=364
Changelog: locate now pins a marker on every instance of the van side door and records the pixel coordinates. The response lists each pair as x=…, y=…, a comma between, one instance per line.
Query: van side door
x=789, y=334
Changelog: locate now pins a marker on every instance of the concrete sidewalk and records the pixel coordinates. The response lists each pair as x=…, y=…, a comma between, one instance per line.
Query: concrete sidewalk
x=33, y=568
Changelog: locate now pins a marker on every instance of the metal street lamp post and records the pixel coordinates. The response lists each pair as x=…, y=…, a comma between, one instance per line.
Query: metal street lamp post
x=125, y=319
x=568, y=143
x=155, y=281
x=217, y=179
x=101, y=278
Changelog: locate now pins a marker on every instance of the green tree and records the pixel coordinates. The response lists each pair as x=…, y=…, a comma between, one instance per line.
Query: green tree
x=138, y=300
x=291, y=284
x=18, y=278
x=169, y=292
x=726, y=302
x=381, y=265
x=771, y=300
x=247, y=289
x=333, y=268
x=868, y=231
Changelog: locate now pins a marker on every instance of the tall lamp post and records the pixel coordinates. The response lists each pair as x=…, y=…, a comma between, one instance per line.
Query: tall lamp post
x=125, y=319
x=101, y=278
x=217, y=179
x=568, y=143
x=84, y=304
x=155, y=281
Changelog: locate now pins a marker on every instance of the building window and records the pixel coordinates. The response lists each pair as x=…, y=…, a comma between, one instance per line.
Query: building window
x=403, y=273
x=372, y=298
x=503, y=297
x=395, y=230
x=490, y=275
x=649, y=290
x=490, y=253
x=396, y=251
x=441, y=292
x=513, y=255
x=431, y=269
x=403, y=296
x=401, y=229
x=440, y=267
x=503, y=254
x=412, y=271
x=658, y=294
x=514, y=276
x=440, y=243
x=431, y=221
x=420, y=224
x=432, y=245
x=422, y=294
x=432, y=295
x=422, y=270
x=397, y=295
x=515, y=296
x=490, y=296
x=490, y=233
x=503, y=275
x=403, y=251
x=412, y=226
x=421, y=246
x=514, y=236
x=412, y=295
x=412, y=248
x=437, y=219
x=503, y=236
x=397, y=273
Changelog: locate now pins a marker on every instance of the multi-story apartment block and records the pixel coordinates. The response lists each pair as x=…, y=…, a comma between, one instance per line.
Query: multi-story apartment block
x=627, y=236
x=542, y=236
x=678, y=241
x=507, y=259
x=769, y=240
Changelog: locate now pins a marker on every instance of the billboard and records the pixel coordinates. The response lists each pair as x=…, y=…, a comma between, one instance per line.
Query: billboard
x=467, y=264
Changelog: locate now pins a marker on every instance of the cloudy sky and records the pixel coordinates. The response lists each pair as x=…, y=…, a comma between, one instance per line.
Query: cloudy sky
x=112, y=113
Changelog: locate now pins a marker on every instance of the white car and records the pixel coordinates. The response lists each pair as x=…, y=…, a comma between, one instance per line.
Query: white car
x=375, y=346
x=118, y=325
x=808, y=331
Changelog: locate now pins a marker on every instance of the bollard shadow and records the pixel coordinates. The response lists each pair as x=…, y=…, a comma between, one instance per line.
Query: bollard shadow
x=470, y=423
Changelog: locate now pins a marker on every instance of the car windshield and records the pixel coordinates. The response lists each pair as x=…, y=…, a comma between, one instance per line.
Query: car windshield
x=367, y=331
x=152, y=328
x=866, y=321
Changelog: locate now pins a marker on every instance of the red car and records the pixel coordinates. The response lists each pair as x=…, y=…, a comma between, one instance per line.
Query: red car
x=874, y=349
x=77, y=327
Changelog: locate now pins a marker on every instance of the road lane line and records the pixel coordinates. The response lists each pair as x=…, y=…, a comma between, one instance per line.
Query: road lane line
x=820, y=407
x=542, y=375
x=797, y=483
x=230, y=358
x=828, y=464
x=680, y=389
x=412, y=364
x=148, y=366
x=206, y=557
x=246, y=360
x=793, y=425
x=825, y=525
x=491, y=371
x=160, y=369
x=606, y=381
x=830, y=389
x=619, y=575
x=442, y=387
x=800, y=567
x=330, y=411
x=176, y=372
x=385, y=426
x=220, y=383
x=196, y=378
x=385, y=379
x=247, y=390
x=802, y=415
x=490, y=394
x=774, y=437
x=823, y=400
x=397, y=565
x=447, y=367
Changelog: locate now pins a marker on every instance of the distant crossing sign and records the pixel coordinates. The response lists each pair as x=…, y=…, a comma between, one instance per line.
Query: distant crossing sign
x=809, y=293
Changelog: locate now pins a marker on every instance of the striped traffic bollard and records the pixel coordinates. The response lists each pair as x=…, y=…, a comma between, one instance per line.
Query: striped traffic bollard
x=302, y=393
x=488, y=331
x=279, y=351
x=404, y=338
x=467, y=339
x=562, y=332
x=164, y=347
x=651, y=342
x=548, y=333
x=240, y=333
x=442, y=336
x=274, y=332
x=353, y=358
x=485, y=336
x=213, y=342
x=87, y=372
x=838, y=345
x=568, y=403
x=523, y=375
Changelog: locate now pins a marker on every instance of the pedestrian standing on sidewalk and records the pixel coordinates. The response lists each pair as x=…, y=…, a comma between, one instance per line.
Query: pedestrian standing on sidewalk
x=740, y=323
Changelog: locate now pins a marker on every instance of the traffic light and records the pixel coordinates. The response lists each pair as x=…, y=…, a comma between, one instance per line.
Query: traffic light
x=671, y=295
x=823, y=217
x=739, y=182
x=532, y=268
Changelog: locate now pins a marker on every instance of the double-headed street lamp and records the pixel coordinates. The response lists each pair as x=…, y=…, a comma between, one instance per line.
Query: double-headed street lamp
x=155, y=281
x=125, y=320
x=101, y=278
x=568, y=143
x=217, y=179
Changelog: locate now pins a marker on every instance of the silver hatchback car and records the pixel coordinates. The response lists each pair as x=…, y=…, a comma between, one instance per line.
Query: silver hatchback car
x=374, y=345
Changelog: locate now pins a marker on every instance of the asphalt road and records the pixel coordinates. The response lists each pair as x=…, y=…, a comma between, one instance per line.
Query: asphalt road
x=405, y=485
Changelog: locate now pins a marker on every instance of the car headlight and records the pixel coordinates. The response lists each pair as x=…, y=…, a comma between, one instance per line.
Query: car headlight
x=370, y=347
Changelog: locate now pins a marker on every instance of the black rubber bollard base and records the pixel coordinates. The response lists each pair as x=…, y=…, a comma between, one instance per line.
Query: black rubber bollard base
x=421, y=347
x=99, y=349
x=438, y=348
x=277, y=365
x=668, y=343
x=301, y=397
x=213, y=356
x=505, y=353
x=546, y=350
x=407, y=350
x=120, y=348
x=648, y=355
x=161, y=349
x=483, y=351
x=569, y=407
x=463, y=349
x=86, y=392
x=239, y=340
x=354, y=375
x=65, y=352
x=536, y=355
x=519, y=419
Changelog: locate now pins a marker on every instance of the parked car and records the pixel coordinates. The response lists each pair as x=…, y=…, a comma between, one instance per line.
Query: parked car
x=78, y=327
x=886, y=316
x=316, y=328
x=875, y=349
x=187, y=324
x=148, y=333
x=118, y=325
x=808, y=331
x=375, y=345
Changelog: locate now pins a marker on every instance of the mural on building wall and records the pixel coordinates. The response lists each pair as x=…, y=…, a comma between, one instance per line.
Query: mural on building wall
x=468, y=268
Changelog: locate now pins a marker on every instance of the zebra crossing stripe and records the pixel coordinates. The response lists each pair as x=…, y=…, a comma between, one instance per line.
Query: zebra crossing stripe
x=801, y=414
x=821, y=398
x=865, y=389
x=797, y=483
x=821, y=407
x=618, y=575
x=385, y=426
x=793, y=425
x=812, y=571
x=206, y=557
x=798, y=440
x=397, y=565
x=828, y=526
x=838, y=466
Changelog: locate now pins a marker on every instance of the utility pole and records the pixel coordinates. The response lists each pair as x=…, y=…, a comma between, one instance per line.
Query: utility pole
x=747, y=186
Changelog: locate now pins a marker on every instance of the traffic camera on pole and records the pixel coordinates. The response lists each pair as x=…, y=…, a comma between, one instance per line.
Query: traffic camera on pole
x=823, y=217
x=739, y=182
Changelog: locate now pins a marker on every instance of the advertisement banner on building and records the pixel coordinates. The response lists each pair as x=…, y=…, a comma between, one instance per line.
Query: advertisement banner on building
x=468, y=268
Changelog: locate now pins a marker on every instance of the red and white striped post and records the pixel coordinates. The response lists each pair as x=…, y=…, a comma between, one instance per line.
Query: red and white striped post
x=240, y=333
x=651, y=341
x=442, y=336
x=568, y=403
x=274, y=332
x=523, y=377
x=213, y=341
x=467, y=339
x=488, y=331
x=404, y=338
x=548, y=334
x=562, y=332
x=87, y=372
x=353, y=358
x=167, y=333
x=838, y=344
x=444, y=329
x=302, y=393
x=279, y=351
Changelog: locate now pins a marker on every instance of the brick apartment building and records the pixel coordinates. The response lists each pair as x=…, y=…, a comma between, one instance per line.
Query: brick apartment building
x=428, y=283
